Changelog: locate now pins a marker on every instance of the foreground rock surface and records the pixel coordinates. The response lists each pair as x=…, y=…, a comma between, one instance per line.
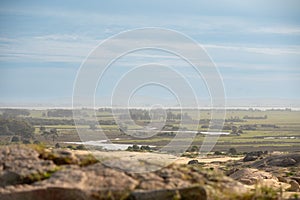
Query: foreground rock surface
x=66, y=176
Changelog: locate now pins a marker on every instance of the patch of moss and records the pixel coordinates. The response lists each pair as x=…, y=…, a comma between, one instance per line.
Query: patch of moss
x=39, y=176
x=87, y=160
x=40, y=148
x=260, y=193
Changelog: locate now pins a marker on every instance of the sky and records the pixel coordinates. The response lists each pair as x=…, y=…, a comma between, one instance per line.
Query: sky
x=255, y=45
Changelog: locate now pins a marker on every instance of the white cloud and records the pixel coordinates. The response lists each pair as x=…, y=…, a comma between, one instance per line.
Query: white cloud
x=261, y=50
x=56, y=48
x=74, y=48
x=278, y=30
x=258, y=67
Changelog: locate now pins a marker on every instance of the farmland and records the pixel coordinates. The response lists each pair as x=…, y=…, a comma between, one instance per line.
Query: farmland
x=268, y=130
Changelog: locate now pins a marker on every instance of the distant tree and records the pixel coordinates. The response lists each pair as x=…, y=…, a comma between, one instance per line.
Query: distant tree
x=15, y=112
x=234, y=130
x=123, y=128
x=16, y=126
x=232, y=151
x=60, y=113
x=194, y=149
x=145, y=148
x=4, y=130
x=135, y=147
x=53, y=134
x=42, y=128
x=93, y=126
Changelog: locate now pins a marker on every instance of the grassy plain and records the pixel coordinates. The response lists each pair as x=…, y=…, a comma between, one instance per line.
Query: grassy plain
x=270, y=130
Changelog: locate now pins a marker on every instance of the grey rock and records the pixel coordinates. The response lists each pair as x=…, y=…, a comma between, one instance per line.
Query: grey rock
x=294, y=186
x=98, y=181
x=249, y=158
x=193, y=162
x=195, y=193
x=22, y=165
x=296, y=179
x=285, y=160
x=47, y=194
x=254, y=155
x=251, y=176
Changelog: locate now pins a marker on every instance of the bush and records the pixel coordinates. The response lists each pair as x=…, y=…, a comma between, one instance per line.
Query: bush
x=15, y=126
x=57, y=145
x=15, y=139
x=36, y=142
x=81, y=147
x=70, y=147
x=145, y=148
x=135, y=147
x=194, y=149
x=26, y=142
x=232, y=151
x=129, y=148
x=218, y=153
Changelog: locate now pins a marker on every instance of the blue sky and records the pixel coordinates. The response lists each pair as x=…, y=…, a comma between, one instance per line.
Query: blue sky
x=255, y=44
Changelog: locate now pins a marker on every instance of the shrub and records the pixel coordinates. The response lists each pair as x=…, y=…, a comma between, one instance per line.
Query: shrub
x=218, y=153
x=26, y=142
x=57, y=145
x=145, y=148
x=36, y=142
x=70, y=147
x=135, y=147
x=232, y=151
x=81, y=147
x=194, y=149
x=15, y=139
x=129, y=148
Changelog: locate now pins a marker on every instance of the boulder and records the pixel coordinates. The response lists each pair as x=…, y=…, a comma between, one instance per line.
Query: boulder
x=50, y=193
x=99, y=181
x=251, y=156
x=22, y=165
x=193, y=162
x=194, y=192
x=296, y=179
x=251, y=176
x=294, y=186
x=285, y=160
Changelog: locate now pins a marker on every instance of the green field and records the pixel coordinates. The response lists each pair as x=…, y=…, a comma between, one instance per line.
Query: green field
x=265, y=130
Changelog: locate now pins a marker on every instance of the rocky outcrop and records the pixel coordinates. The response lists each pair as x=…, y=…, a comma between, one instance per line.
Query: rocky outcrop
x=23, y=165
x=284, y=160
x=195, y=192
x=254, y=155
x=294, y=186
x=251, y=176
x=256, y=177
x=97, y=181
